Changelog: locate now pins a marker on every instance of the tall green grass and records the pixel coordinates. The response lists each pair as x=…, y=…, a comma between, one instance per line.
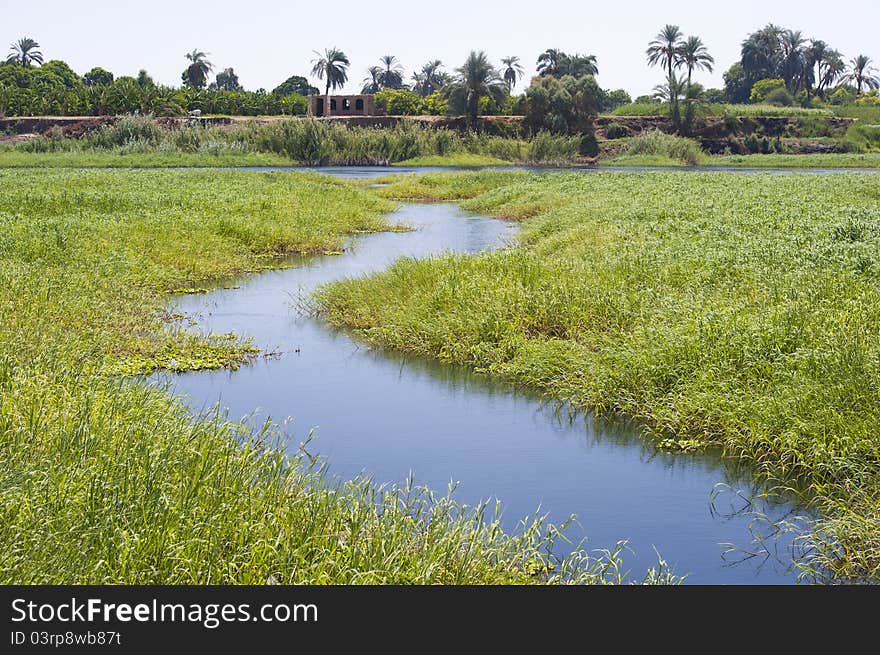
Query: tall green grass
x=301, y=141
x=648, y=147
x=108, y=480
x=740, y=311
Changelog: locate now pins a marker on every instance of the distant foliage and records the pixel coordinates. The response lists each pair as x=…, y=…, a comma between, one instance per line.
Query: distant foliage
x=55, y=89
x=295, y=85
x=658, y=144
x=399, y=102
x=98, y=77
x=562, y=106
x=762, y=88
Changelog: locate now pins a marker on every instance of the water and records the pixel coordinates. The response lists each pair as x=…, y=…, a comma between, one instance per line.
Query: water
x=387, y=415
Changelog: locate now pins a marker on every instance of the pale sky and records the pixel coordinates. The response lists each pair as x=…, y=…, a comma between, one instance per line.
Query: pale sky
x=266, y=41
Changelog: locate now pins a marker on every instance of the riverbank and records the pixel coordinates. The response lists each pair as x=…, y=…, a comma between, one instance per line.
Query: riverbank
x=720, y=311
x=109, y=480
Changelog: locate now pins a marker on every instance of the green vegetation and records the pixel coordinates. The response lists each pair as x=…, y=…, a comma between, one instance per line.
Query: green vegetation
x=659, y=147
x=841, y=160
x=125, y=485
x=717, y=309
x=142, y=141
x=16, y=158
x=721, y=109
x=462, y=159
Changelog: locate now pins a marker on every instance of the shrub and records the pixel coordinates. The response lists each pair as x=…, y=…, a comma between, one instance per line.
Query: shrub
x=871, y=98
x=615, y=131
x=762, y=88
x=588, y=146
x=843, y=95
x=779, y=97
x=548, y=148
x=399, y=102
x=659, y=144
x=125, y=130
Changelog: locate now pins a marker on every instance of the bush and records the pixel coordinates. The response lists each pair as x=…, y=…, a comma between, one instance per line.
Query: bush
x=588, y=146
x=762, y=88
x=861, y=137
x=547, y=148
x=126, y=130
x=399, y=102
x=615, y=131
x=656, y=143
x=871, y=98
x=779, y=97
x=843, y=95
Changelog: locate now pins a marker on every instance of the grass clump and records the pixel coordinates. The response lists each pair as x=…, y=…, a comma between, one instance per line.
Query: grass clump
x=660, y=149
x=738, y=311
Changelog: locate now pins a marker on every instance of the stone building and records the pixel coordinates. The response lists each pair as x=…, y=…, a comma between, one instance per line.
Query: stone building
x=359, y=105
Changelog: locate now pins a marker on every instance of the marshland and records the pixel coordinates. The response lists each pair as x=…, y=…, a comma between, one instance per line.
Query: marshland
x=606, y=345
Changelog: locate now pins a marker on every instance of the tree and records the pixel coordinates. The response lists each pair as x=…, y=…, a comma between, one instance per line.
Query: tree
x=196, y=74
x=476, y=79
x=693, y=54
x=555, y=63
x=672, y=92
x=615, y=99
x=513, y=71
x=861, y=74
x=24, y=52
x=830, y=66
x=399, y=102
x=295, y=84
x=549, y=62
x=578, y=65
x=226, y=80
x=372, y=83
x=565, y=105
x=98, y=77
x=664, y=49
x=794, y=69
x=761, y=54
x=391, y=76
x=430, y=79
x=736, y=84
x=332, y=66
x=144, y=80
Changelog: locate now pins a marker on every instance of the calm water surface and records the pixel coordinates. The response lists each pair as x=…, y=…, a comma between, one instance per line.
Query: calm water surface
x=389, y=416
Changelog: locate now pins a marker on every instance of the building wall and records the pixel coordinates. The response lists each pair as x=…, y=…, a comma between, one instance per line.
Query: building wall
x=357, y=105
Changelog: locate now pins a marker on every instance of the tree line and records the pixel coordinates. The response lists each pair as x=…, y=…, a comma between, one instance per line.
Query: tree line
x=777, y=66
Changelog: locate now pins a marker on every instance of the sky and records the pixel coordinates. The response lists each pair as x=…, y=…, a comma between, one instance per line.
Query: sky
x=266, y=41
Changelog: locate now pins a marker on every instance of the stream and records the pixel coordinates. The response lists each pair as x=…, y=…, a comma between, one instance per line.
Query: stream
x=389, y=416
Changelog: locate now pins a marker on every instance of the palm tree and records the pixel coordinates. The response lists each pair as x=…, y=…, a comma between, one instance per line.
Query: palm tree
x=672, y=91
x=196, y=74
x=512, y=72
x=392, y=75
x=794, y=60
x=372, y=84
x=25, y=52
x=664, y=49
x=332, y=66
x=429, y=79
x=578, y=65
x=693, y=54
x=861, y=73
x=549, y=61
x=476, y=79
